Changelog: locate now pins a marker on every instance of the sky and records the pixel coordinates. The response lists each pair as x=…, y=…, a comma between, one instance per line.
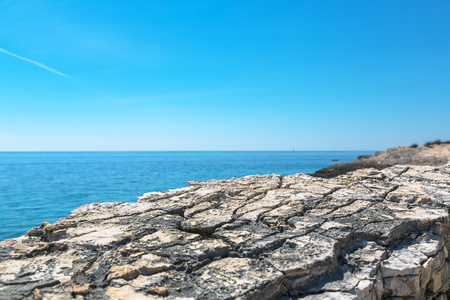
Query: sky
x=223, y=75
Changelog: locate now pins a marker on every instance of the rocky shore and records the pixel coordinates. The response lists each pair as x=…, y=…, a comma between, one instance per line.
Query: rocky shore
x=431, y=154
x=367, y=234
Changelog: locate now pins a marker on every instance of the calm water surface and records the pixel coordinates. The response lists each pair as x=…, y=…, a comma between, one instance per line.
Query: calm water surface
x=45, y=186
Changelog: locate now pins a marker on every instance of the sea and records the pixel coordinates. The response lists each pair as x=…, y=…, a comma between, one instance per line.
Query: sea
x=38, y=187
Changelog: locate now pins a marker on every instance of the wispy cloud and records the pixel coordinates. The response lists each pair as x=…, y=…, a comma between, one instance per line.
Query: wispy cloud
x=61, y=74
x=34, y=63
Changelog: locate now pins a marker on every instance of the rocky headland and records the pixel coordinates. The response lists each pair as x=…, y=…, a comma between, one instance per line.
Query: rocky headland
x=431, y=154
x=366, y=234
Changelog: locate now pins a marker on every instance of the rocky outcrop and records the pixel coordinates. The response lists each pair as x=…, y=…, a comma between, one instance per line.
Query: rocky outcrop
x=368, y=234
x=431, y=155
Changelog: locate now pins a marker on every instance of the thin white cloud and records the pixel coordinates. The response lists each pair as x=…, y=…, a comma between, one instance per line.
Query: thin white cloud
x=34, y=63
x=61, y=74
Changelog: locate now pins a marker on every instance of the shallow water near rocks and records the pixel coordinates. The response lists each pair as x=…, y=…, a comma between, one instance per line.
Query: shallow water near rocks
x=45, y=186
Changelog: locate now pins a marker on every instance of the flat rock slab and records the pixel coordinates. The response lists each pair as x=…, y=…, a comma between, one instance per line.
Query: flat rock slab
x=367, y=234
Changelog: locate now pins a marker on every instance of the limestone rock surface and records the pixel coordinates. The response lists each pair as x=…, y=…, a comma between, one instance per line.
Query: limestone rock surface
x=368, y=234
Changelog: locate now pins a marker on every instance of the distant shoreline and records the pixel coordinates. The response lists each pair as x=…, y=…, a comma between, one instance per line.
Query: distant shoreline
x=431, y=154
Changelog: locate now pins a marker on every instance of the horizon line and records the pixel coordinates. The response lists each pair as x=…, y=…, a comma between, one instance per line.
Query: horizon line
x=5, y=151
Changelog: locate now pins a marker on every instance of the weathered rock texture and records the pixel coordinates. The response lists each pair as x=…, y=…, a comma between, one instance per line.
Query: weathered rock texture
x=432, y=155
x=369, y=234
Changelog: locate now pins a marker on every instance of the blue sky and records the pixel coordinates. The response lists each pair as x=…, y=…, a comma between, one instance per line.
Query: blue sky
x=223, y=75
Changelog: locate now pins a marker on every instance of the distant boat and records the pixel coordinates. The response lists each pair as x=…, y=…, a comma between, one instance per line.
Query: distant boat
x=335, y=159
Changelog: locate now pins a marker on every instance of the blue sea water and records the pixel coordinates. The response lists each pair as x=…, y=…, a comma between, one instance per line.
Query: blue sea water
x=45, y=186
